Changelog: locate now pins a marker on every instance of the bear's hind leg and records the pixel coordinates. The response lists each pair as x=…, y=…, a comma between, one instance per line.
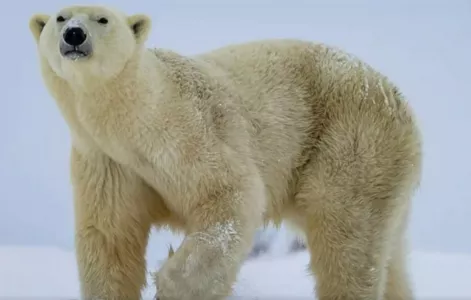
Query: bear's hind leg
x=348, y=252
x=398, y=285
x=351, y=202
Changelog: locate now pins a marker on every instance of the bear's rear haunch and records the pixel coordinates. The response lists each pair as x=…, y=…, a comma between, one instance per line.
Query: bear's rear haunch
x=216, y=145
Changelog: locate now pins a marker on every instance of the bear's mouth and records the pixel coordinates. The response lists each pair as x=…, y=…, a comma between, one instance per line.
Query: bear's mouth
x=75, y=54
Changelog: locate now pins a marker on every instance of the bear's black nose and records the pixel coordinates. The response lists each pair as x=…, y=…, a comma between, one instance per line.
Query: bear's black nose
x=74, y=36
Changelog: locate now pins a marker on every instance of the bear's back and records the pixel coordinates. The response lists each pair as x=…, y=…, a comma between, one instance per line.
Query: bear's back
x=290, y=93
x=275, y=81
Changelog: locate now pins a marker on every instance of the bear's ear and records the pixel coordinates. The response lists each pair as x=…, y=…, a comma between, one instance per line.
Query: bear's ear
x=140, y=27
x=36, y=25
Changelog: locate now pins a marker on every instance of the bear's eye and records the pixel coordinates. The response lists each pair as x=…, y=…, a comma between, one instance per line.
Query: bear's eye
x=103, y=20
x=60, y=19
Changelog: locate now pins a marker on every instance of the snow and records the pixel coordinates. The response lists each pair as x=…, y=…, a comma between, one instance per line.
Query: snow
x=48, y=272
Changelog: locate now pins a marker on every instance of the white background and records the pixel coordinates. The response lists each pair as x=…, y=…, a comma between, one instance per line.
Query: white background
x=423, y=46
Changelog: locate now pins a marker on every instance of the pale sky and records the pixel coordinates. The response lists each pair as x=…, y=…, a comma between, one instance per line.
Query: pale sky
x=423, y=46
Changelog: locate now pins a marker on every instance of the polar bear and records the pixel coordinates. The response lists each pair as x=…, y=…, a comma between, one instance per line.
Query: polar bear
x=219, y=144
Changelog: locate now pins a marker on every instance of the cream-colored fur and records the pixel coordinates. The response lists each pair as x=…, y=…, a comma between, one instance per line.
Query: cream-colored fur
x=219, y=144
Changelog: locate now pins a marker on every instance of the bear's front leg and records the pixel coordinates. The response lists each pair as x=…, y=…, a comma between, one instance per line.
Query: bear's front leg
x=221, y=230
x=112, y=221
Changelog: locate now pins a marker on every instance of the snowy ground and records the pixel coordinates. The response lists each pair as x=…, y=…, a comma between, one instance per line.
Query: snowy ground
x=50, y=273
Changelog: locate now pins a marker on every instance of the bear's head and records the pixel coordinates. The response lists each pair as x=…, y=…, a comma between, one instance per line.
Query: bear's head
x=89, y=43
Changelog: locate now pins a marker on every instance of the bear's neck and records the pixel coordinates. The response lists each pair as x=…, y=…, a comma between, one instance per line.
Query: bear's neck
x=90, y=83
x=115, y=102
x=137, y=75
